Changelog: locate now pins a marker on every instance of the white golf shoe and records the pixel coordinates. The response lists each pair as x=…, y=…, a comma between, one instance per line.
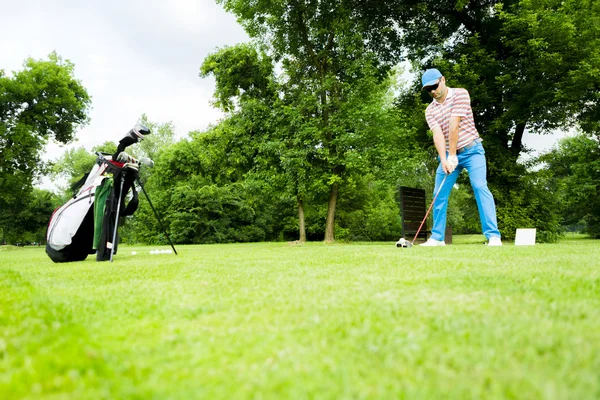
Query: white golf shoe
x=495, y=241
x=433, y=243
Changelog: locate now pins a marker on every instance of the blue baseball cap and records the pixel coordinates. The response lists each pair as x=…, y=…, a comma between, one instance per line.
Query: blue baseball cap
x=430, y=77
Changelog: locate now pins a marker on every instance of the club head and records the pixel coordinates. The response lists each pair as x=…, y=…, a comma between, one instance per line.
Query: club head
x=403, y=243
x=141, y=129
x=138, y=132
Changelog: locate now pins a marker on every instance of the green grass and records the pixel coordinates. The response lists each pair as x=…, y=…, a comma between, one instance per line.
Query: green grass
x=315, y=321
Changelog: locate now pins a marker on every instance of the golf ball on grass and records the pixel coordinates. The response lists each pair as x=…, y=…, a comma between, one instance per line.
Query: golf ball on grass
x=161, y=251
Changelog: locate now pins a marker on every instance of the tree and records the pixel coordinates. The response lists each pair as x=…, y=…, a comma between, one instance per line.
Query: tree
x=573, y=170
x=162, y=136
x=328, y=69
x=29, y=224
x=530, y=65
x=241, y=74
x=246, y=88
x=42, y=102
x=198, y=184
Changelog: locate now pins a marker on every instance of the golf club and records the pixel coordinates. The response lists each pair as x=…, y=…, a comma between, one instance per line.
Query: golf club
x=405, y=243
x=114, y=241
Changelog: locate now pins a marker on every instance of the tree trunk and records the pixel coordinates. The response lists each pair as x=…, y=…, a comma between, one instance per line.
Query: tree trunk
x=329, y=224
x=517, y=142
x=302, y=226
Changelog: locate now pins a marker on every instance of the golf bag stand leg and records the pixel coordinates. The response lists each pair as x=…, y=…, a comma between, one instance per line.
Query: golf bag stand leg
x=156, y=215
x=114, y=241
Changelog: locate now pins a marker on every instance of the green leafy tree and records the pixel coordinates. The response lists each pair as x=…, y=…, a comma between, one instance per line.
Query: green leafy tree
x=529, y=65
x=42, y=102
x=241, y=74
x=368, y=211
x=572, y=169
x=328, y=68
x=246, y=88
x=162, y=136
x=29, y=224
x=186, y=177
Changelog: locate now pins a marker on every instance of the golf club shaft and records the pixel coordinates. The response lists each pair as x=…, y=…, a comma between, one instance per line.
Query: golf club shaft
x=428, y=210
x=114, y=242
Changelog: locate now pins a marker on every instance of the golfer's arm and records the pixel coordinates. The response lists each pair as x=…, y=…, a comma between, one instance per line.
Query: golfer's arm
x=440, y=143
x=453, y=135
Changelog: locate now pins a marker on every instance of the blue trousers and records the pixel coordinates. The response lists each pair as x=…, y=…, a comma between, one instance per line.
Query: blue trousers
x=473, y=160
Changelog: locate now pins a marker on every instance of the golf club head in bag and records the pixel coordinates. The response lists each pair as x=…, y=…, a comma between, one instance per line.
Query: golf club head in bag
x=139, y=131
x=128, y=159
x=136, y=134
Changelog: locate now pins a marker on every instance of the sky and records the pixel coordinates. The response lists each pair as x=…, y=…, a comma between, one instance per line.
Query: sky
x=134, y=57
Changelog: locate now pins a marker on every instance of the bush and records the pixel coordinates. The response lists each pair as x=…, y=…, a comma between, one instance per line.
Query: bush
x=529, y=205
x=367, y=210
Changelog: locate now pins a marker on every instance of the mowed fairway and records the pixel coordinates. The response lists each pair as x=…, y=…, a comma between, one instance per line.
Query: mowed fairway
x=314, y=321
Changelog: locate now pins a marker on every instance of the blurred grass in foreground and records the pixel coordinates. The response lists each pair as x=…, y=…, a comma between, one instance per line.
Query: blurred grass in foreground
x=278, y=320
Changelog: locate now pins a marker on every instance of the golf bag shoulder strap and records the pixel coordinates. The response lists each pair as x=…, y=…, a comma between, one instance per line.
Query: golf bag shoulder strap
x=132, y=206
x=79, y=184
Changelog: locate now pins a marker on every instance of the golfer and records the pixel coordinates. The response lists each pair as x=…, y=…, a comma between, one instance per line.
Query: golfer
x=458, y=144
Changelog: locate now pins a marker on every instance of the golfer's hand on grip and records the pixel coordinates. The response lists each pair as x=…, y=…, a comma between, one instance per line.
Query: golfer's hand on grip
x=450, y=164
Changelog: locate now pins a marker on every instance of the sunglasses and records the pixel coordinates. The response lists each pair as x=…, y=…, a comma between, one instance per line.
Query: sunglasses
x=432, y=87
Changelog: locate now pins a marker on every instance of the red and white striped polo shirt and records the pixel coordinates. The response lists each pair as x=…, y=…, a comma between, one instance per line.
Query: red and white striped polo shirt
x=456, y=104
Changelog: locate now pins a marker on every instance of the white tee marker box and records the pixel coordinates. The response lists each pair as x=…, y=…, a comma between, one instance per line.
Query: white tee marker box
x=525, y=237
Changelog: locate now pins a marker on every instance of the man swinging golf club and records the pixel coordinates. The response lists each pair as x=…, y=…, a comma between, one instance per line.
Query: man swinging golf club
x=459, y=147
